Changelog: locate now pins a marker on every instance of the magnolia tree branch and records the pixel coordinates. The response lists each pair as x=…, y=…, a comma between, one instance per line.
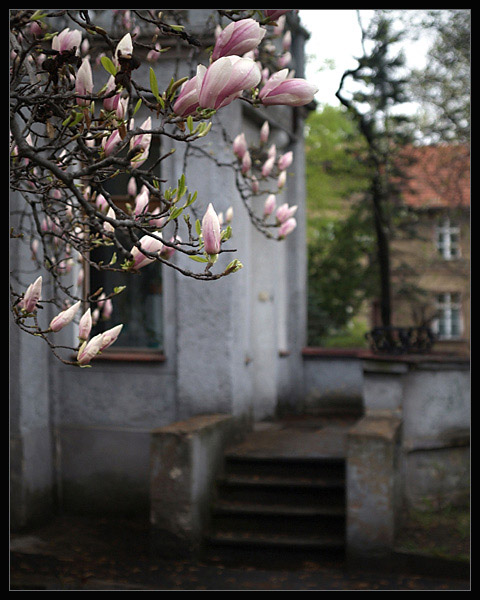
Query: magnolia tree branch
x=70, y=138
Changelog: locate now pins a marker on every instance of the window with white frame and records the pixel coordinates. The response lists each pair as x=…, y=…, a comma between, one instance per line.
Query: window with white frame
x=448, y=323
x=448, y=238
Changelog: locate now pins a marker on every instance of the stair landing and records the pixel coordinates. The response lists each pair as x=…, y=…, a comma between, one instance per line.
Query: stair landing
x=297, y=437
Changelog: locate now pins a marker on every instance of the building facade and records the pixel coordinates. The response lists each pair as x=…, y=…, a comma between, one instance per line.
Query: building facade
x=431, y=268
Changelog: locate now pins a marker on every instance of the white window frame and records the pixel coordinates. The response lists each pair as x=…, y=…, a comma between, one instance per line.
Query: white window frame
x=447, y=247
x=449, y=311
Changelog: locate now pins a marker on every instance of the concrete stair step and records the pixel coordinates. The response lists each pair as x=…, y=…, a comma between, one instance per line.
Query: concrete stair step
x=278, y=519
x=272, y=550
x=322, y=468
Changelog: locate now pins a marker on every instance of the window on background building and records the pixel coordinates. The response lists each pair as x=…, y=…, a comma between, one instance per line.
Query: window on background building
x=448, y=323
x=448, y=238
x=139, y=307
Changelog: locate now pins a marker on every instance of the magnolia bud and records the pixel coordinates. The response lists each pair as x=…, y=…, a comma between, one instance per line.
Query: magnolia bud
x=264, y=132
x=287, y=227
x=32, y=296
x=85, y=325
x=211, y=231
x=269, y=205
x=64, y=317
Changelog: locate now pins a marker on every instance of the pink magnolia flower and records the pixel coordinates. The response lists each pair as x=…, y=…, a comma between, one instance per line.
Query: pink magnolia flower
x=110, y=336
x=264, y=132
x=284, y=60
x=111, y=103
x=84, y=82
x=246, y=162
x=284, y=212
x=187, y=101
x=121, y=108
x=211, y=231
x=32, y=296
x=274, y=13
x=291, y=92
x=238, y=38
x=132, y=187
x=268, y=166
x=124, y=48
x=141, y=143
x=141, y=202
x=287, y=227
x=64, y=317
x=285, y=161
x=101, y=203
x=269, y=205
x=67, y=40
x=148, y=243
x=287, y=41
x=240, y=145
x=225, y=80
x=89, y=350
x=107, y=309
x=110, y=144
x=85, y=325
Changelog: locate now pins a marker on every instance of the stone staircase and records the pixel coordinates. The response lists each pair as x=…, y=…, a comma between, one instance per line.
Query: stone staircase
x=280, y=499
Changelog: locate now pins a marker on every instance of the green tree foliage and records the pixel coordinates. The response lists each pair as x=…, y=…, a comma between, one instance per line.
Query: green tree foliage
x=340, y=237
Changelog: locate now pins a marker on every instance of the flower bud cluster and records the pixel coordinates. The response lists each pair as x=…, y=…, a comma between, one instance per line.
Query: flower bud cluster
x=267, y=166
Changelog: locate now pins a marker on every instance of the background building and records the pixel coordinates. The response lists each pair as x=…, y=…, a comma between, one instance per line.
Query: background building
x=431, y=265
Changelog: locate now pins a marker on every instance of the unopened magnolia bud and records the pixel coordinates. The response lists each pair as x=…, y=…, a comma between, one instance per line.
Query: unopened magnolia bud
x=32, y=296
x=287, y=227
x=64, y=317
x=85, y=325
x=211, y=231
x=264, y=132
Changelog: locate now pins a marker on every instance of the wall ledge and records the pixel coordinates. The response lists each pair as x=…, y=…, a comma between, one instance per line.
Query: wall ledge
x=433, y=358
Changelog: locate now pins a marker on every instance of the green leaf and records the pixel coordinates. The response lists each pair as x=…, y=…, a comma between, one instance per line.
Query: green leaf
x=234, y=266
x=182, y=188
x=191, y=199
x=227, y=233
x=154, y=84
x=108, y=65
x=198, y=227
x=201, y=259
x=137, y=106
x=37, y=15
x=176, y=212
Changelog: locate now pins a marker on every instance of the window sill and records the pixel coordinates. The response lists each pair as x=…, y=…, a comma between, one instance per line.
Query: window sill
x=131, y=355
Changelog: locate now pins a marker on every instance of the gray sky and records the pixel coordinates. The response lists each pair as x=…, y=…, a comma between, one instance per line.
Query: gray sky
x=335, y=35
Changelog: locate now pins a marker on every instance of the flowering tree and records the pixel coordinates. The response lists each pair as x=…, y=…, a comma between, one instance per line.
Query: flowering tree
x=71, y=136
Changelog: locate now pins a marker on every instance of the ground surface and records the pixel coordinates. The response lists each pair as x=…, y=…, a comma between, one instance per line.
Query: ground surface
x=72, y=553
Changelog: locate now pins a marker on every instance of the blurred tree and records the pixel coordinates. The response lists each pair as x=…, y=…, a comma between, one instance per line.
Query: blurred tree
x=379, y=89
x=442, y=88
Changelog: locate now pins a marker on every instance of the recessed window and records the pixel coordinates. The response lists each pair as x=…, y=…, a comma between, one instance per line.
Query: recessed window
x=139, y=307
x=448, y=324
x=448, y=238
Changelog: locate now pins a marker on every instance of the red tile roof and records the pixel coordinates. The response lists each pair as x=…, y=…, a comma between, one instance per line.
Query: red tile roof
x=438, y=177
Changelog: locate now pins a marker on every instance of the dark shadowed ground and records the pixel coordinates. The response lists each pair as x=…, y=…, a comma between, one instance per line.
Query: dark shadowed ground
x=72, y=553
